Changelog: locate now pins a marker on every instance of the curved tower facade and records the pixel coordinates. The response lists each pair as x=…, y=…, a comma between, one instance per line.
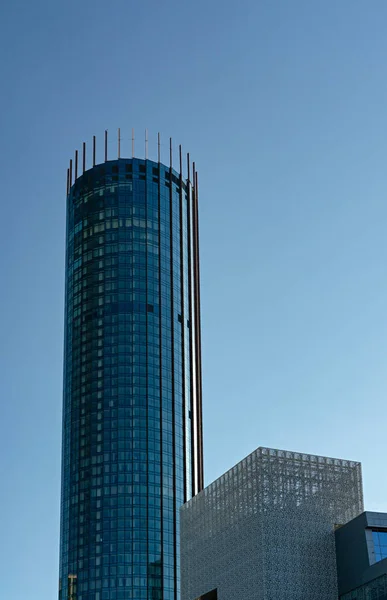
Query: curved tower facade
x=132, y=424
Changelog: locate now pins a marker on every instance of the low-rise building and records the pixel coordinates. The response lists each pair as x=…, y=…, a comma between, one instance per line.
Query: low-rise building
x=361, y=549
x=265, y=530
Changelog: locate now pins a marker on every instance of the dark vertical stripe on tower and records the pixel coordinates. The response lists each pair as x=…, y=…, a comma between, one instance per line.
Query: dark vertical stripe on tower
x=200, y=341
x=68, y=187
x=71, y=173
x=94, y=150
x=161, y=389
x=199, y=433
x=76, y=166
x=183, y=324
x=147, y=360
x=173, y=368
x=191, y=309
x=84, y=158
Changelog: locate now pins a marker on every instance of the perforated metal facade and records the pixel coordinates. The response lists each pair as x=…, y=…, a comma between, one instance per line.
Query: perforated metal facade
x=265, y=529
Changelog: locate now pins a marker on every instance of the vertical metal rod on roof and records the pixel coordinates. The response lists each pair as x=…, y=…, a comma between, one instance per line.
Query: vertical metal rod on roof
x=158, y=148
x=119, y=143
x=194, y=178
x=181, y=161
x=68, y=178
x=132, y=143
x=170, y=152
x=76, y=165
x=146, y=144
x=106, y=140
x=93, y=150
x=84, y=158
x=188, y=168
x=71, y=172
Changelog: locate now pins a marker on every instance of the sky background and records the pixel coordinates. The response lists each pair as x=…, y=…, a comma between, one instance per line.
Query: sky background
x=283, y=105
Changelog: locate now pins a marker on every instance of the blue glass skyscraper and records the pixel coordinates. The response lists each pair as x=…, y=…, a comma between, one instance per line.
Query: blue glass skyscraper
x=132, y=424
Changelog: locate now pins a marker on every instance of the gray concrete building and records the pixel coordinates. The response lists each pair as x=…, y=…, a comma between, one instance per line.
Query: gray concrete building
x=265, y=529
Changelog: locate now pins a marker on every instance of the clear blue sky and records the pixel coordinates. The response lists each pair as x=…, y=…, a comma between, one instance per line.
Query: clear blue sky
x=283, y=104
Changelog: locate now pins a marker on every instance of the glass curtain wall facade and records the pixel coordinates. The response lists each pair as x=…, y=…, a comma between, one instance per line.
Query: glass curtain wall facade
x=373, y=590
x=361, y=557
x=132, y=432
